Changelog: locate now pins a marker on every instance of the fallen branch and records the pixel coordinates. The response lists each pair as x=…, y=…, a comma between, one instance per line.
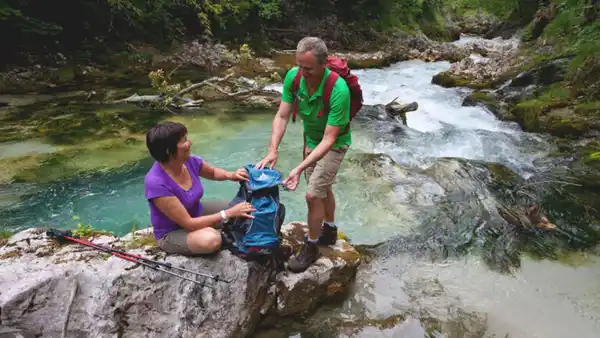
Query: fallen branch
x=203, y=83
x=177, y=101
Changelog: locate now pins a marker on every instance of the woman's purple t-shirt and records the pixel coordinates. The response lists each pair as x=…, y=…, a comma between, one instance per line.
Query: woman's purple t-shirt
x=157, y=183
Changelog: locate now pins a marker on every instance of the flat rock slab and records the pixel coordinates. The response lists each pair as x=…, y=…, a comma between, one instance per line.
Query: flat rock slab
x=47, y=289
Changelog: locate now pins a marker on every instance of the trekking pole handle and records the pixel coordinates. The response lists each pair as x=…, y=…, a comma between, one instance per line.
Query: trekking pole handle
x=59, y=233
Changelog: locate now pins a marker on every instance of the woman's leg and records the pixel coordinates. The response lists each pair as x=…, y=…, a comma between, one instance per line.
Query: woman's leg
x=203, y=241
x=182, y=242
x=213, y=207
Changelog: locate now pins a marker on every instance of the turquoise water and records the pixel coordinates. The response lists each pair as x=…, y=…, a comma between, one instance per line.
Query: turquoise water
x=370, y=209
x=114, y=201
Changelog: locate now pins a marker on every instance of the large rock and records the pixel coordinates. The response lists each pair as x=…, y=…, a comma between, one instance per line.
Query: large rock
x=47, y=288
x=329, y=276
x=491, y=63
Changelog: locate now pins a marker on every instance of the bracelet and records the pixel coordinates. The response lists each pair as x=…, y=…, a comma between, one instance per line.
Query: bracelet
x=223, y=215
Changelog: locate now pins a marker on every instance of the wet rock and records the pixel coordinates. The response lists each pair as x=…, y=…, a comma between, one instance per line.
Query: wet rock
x=555, y=117
x=475, y=22
x=47, y=286
x=262, y=101
x=377, y=59
x=480, y=72
x=390, y=111
x=386, y=305
x=400, y=109
x=543, y=75
x=327, y=278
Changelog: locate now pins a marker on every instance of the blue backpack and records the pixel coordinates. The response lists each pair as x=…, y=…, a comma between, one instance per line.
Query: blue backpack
x=258, y=237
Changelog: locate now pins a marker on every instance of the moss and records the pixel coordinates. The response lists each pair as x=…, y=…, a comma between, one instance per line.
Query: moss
x=73, y=161
x=589, y=109
x=4, y=237
x=501, y=174
x=140, y=241
x=88, y=232
x=448, y=80
x=479, y=97
x=343, y=236
x=528, y=114
x=348, y=253
x=550, y=112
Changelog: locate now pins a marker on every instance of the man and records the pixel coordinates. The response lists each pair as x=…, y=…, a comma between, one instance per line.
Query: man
x=326, y=142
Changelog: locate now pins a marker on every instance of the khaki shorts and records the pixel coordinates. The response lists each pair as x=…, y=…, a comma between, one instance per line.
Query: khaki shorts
x=321, y=175
x=175, y=242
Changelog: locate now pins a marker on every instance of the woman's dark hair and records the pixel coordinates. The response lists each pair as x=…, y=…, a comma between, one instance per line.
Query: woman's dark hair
x=162, y=139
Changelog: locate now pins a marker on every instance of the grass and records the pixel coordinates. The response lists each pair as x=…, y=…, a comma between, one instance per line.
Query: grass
x=4, y=237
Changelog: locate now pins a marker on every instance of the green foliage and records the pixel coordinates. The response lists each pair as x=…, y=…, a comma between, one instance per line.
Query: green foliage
x=87, y=231
x=4, y=237
x=499, y=8
x=38, y=24
x=572, y=34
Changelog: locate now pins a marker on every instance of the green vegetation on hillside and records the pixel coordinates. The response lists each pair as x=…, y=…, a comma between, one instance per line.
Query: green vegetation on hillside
x=42, y=27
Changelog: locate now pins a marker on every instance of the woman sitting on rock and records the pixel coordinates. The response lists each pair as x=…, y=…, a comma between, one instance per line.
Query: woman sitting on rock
x=182, y=223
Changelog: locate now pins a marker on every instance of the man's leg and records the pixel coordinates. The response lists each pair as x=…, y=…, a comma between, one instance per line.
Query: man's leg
x=320, y=180
x=328, y=235
x=329, y=206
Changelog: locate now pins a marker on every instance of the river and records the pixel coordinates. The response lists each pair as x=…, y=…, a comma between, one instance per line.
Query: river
x=542, y=299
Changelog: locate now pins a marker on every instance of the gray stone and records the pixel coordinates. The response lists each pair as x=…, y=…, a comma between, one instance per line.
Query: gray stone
x=49, y=289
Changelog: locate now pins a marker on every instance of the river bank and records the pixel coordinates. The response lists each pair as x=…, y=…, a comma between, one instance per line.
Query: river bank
x=547, y=86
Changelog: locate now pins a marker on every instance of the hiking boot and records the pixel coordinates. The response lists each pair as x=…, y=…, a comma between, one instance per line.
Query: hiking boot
x=308, y=254
x=328, y=235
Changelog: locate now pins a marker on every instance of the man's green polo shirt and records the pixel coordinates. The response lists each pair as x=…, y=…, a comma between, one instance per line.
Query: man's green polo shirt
x=309, y=107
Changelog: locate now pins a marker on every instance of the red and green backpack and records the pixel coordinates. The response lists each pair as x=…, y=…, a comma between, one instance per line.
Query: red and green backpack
x=339, y=67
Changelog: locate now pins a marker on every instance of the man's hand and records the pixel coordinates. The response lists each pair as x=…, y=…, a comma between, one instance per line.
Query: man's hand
x=291, y=182
x=240, y=175
x=270, y=160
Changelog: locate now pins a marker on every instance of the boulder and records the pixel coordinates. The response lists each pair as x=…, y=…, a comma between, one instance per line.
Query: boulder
x=50, y=288
x=329, y=276
x=389, y=111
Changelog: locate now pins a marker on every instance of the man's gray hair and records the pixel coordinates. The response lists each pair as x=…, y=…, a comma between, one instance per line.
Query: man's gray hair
x=314, y=45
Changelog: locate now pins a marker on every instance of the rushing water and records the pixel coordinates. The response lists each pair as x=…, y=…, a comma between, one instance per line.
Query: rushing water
x=544, y=299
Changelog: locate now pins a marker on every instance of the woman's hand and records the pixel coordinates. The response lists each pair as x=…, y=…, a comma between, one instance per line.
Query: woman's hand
x=242, y=209
x=240, y=175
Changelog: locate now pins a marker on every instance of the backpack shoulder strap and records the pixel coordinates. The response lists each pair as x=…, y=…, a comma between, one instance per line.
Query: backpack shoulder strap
x=327, y=89
x=295, y=86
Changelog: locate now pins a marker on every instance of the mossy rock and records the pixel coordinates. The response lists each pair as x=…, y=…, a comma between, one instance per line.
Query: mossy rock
x=74, y=161
x=448, y=80
x=485, y=99
x=4, y=236
x=553, y=112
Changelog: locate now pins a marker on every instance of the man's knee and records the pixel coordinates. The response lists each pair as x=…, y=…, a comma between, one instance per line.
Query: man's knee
x=311, y=197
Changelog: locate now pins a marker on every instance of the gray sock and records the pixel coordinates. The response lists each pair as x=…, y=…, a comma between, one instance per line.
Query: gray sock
x=314, y=241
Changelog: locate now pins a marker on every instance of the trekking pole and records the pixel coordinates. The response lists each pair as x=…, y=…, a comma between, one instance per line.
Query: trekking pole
x=167, y=265
x=61, y=235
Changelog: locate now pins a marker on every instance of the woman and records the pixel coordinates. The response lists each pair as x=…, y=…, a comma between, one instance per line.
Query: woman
x=182, y=223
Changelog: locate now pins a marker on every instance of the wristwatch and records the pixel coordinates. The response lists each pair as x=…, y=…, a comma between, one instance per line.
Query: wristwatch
x=224, y=216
